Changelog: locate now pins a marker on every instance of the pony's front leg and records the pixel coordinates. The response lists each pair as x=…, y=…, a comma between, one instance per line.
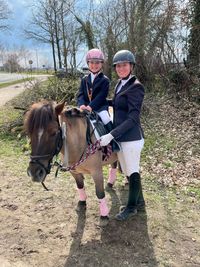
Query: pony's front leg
x=112, y=175
x=100, y=193
x=79, y=178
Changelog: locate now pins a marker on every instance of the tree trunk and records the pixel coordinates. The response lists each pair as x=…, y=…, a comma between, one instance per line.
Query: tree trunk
x=53, y=53
x=64, y=40
x=194, y=44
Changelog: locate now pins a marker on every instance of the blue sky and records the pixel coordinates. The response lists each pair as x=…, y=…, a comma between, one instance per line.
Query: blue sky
x=19, y=17
x=14, y=38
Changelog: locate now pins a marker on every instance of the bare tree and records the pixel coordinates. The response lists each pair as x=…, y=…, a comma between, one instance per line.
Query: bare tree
x=12, y=63
x=5, y=13
x=110, y=30
x=48, y=25
x=41, y=27
x=2, y=53
x=85, y=21
x=24, y=54
x=194, y=45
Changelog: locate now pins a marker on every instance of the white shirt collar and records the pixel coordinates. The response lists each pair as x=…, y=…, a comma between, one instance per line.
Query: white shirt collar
x=94, y=75
x=122, y=82
x=125, y=81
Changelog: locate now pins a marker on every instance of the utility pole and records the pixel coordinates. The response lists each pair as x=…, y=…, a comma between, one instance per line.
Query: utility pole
x=37, y=58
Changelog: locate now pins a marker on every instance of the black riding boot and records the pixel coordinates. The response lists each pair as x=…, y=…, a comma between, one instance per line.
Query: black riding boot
x=141, y=201
x=134, y=191
x=114, y=144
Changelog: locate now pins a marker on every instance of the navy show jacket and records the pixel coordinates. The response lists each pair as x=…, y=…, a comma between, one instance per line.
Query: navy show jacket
x=127, y=104
x=100, y=87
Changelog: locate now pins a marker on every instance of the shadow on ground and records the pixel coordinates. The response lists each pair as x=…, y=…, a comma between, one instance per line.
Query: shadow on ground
x=121, y=244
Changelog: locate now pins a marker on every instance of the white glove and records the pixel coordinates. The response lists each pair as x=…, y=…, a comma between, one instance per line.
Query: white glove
x=105, y=139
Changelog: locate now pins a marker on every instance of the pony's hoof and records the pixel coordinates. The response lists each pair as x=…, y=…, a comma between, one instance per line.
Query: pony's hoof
x=81, y=206
x=109, y=185
x=103, y=221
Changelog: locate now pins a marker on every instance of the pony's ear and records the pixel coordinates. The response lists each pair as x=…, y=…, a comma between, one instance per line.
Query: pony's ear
x=59, y=107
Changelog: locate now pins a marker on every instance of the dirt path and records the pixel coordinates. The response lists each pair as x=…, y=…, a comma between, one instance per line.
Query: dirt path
x=41, y=228
x=9, y=92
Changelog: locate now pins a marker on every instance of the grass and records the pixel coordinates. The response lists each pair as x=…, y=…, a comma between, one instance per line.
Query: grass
x=39, y=72
x=13, y=159
x=193, y=191
x=2, y=85
x=10, y=145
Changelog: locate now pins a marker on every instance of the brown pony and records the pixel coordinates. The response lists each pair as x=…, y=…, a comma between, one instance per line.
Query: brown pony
x=52, y=129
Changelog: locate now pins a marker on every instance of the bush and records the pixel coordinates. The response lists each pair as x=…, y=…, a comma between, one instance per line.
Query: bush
x=54, y=89
x=184, y=83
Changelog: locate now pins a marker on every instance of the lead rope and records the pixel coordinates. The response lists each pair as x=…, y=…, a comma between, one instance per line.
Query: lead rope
x=44, y=186
x=90, y=150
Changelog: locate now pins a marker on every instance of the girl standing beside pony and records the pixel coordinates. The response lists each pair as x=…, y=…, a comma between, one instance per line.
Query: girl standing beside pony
x=127, y=104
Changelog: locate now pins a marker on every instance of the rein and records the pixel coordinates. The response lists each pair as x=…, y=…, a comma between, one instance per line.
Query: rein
x=89, y=150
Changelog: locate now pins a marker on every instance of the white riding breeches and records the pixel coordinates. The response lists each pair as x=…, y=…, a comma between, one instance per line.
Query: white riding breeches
x=104, y=115
x=129, y=156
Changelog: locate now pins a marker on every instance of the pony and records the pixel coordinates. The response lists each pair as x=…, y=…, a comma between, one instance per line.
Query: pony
x=53, y=129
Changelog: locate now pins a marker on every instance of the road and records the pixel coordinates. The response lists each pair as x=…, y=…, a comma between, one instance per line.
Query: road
x=9, y=92
x=9, y=77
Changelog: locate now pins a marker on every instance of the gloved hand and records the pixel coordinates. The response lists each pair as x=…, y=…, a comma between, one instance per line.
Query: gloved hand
x=105, y=139
x=89, y=108
x=82, y=107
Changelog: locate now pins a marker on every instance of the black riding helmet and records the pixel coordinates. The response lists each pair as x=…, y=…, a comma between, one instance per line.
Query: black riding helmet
x=123, y=56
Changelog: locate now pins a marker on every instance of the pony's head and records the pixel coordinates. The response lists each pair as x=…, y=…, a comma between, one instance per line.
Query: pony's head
x=42, y=126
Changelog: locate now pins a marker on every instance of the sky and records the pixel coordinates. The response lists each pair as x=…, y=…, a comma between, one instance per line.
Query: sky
x=40, y=54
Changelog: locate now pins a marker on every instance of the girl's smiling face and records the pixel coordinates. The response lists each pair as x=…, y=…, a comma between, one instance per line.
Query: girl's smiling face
x=95, y=66
x=123, y=69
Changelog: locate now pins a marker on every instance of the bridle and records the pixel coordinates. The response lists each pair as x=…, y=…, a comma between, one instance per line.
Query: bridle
x=37, y=158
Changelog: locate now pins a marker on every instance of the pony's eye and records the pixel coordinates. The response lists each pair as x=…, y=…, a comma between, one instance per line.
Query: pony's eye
x=53, y=134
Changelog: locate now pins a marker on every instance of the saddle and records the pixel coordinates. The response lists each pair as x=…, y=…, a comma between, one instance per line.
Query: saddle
x=98, y=129
x=97, y=125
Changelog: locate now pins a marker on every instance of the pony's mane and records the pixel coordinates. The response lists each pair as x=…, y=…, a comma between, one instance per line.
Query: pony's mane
x=74, y=113
x=39, y=116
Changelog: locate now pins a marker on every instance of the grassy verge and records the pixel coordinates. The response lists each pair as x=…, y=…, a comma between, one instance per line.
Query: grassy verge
x=16, y=82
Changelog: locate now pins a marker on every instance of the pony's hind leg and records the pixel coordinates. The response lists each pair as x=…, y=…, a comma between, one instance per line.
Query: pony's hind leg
x=79, y=178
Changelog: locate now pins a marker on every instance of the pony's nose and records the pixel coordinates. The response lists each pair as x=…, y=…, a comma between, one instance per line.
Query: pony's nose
x=37, y=174
x=41, y=174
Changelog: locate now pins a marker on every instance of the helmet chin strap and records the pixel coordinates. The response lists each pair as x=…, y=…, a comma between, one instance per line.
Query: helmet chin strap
x=95, y=72
x=125, y=78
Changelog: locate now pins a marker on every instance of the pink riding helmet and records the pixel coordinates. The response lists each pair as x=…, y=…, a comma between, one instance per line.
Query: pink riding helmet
x=95, y=54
